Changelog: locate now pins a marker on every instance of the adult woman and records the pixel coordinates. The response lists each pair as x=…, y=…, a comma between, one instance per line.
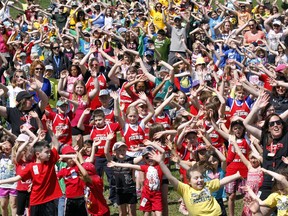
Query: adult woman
x=19, y=115
x=157, y=16
x=17, y=85
x=37, y=71
x=3, y=42
x=254, y=34
x=279, y=97
x=274, y=138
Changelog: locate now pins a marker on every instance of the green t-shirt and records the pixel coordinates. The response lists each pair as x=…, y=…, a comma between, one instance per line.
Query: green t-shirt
x=162, y=47
x=60, y=165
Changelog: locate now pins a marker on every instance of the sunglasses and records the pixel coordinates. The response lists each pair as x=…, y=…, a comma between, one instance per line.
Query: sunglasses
x=273, y=123
x=19, y=76
x=39, y=68
x=56, y=47
x=94, y=65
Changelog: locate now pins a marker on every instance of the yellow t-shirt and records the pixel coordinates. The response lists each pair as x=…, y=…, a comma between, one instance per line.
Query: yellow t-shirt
x=278, y=200
x=157, y=19
x=200, y=202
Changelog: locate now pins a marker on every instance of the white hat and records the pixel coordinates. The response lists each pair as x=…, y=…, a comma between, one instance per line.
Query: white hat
x=276, y=22
x=49, y=67
x=22, y=138
x=117, y=145
x=103, y=92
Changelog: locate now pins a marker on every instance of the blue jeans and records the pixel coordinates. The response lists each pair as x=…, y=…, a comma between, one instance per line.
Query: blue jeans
x=61, y=205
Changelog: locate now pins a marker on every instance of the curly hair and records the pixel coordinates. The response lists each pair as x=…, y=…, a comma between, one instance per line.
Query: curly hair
x=34, y=64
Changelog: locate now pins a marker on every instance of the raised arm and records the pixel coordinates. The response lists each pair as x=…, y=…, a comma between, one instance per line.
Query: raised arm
x=159, y=158
x=108, y=156
x=242, y=157
x=117, y=111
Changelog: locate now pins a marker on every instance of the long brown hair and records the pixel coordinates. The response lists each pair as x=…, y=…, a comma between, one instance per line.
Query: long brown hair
x=85, y=97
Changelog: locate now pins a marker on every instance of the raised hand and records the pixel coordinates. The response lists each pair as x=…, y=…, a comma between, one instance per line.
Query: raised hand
x=33, y=114
x=114, y=95
x=158, y=157
x=110, y=136
x=87, y=111
x=142, y=96
x=64, y=74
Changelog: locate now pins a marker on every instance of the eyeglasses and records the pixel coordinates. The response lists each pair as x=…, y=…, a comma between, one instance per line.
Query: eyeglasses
x=39, y=68
x=56, y=47
x=94, y=65
x=277, y=26
x=273, y=123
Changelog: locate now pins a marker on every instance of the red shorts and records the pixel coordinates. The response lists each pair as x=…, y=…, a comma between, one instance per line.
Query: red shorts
x=151, y=201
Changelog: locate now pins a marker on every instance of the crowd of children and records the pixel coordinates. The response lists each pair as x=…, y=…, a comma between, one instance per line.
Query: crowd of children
x=135, y=89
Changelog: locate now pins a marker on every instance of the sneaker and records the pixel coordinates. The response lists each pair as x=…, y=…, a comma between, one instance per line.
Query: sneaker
x=183, y=210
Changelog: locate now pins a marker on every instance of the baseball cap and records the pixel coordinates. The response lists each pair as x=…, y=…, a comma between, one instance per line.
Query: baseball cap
x=61, y=102
x=148, y=52
x=104, y=92
x=276, y=22
x=90, y=168
x=22, y=138
x=68, y=150
x=147, y=150
x=23, y=94
x=117, y=145
x=164, y=69
x=49, y=67
x=200, y=60
x=177, y=17
x=22, y=54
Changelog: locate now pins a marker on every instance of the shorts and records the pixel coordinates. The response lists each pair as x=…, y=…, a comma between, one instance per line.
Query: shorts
x=23, y=198
x=165, y=181
x=151, y=201
x=75, y=207
x=5, y=192
x=234, y=186
x=45, y=209
x=126, y=198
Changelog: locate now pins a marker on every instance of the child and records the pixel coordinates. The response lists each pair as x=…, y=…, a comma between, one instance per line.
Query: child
x=61, y=120
x=96, y=203
x=45, y=184
x=89, y=149
x=75, y=74
x=277, y=199
x=197, y=196
x=151, y=199
x=75, y=203
x=240, y=106
x=216, y=169
x=105, y=100
x=99, y=131
x=7, y=191
x=126, y=197
x=234, y=162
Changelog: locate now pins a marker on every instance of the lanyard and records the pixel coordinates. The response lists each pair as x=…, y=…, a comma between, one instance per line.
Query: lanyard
x=57, y=61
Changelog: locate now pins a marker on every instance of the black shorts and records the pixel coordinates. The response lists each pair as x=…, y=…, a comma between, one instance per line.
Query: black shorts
x=23, y=198
x=75, y=207
x=45, y=209
x=126, y=198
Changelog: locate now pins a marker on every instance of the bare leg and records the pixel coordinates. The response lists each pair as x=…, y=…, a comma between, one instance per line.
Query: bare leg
x=231, y=203
x=132, y=209
x=4, y=205
x=13, y=205
x=122, y=210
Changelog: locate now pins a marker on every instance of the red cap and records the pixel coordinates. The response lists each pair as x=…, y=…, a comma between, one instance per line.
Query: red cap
x=90, y=168
x=68, y=150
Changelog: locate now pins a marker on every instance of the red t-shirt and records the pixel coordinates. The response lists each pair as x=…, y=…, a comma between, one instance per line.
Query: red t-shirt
x=95, y=103
x=22, y=185
x=62, y=123
x=96, y=203
x=234, y=162
x=74, y=185
x=45, y=183
x=153, y=178
x=101, y=134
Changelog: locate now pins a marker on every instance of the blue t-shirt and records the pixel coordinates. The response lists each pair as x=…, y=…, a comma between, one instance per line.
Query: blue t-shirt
x=100, y=21
x=212, y=24
x=220, y=174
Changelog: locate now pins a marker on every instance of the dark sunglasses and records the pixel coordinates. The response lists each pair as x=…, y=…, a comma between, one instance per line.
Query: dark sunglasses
x=56, y=47
x=273, y=123
x=39, y=68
